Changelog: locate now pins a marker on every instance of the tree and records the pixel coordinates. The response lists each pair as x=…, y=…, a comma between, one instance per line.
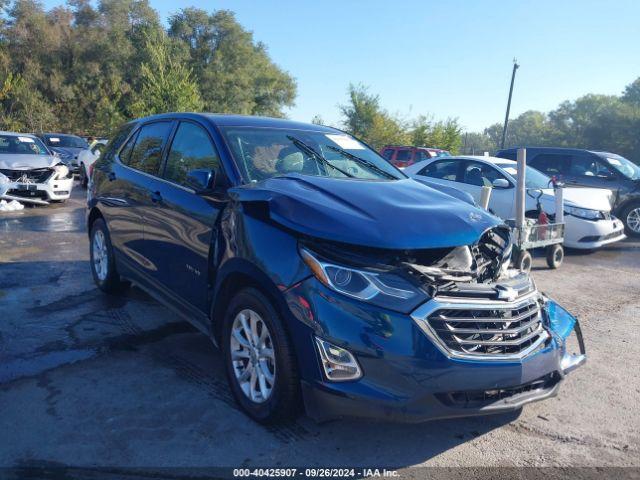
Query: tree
x=166, y=84
x=365, y=119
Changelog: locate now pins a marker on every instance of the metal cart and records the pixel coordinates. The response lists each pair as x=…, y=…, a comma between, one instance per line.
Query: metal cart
x=529, y=234
x=534, y=235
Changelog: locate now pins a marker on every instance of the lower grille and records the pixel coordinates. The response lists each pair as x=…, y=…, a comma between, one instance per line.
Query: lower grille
x=496, y=329
x=38, y=175
x=479, y=398
x=41, y=194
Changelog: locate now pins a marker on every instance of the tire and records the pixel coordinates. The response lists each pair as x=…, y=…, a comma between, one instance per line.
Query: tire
x=523, y=261
x=104, y=272
x=84, y=180
x=555, y=255
x=281, y=402
x=631, y=218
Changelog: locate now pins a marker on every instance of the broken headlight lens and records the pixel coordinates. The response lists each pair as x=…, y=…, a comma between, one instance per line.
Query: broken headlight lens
x=383, y=289
x=62, y=171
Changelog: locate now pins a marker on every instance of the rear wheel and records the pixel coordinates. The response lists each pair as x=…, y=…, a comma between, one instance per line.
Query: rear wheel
x=631, y=219
x=103, y=265
x=555, y=255
x=259, y=358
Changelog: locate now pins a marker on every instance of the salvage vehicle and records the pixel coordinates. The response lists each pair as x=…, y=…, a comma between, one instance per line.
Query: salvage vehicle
x=327, y=277
x=404, y=155
x=30, y=173
x=589, y=223
x=67, y=147
x=588, y=168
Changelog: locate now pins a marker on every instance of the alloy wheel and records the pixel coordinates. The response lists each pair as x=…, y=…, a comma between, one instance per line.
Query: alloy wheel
x=100, y=255
x=253, y=356
x=633, y=220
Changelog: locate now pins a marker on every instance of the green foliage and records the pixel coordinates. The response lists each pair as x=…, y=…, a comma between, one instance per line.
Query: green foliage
x=88, y=67
x=166, y=84
x=366, y=119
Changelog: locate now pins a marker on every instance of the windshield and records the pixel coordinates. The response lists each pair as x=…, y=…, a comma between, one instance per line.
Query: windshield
x=70, y=141
x=263, y=153
x=16, y=144
x=624, y=166
x=534, y=178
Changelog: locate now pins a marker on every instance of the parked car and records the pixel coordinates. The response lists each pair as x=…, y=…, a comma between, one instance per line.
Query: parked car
x=322, y=272
x=592, y=169
x=29, y=172
x=67, y=147
x=588, y=219
x=402, y=156
x=86, y=158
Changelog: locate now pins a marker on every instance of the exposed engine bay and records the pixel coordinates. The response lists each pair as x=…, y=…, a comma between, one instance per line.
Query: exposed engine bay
x=481, y=269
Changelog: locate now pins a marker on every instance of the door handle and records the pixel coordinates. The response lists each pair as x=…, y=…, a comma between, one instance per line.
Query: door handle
x=156, y=197
x=111, y=176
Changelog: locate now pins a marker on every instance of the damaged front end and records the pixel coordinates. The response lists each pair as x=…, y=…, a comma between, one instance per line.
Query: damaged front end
x=36, y=186
x=466, y=299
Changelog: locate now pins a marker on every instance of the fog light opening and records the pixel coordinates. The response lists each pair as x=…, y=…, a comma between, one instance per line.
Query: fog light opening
x=339, y=364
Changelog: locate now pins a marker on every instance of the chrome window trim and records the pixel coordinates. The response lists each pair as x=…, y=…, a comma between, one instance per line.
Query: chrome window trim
x=421, y=314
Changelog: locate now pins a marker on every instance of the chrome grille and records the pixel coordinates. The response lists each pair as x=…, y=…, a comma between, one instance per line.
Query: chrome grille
x=36, y=175
x=496, y=329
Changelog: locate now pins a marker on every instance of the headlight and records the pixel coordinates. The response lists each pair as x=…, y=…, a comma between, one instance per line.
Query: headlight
x=584, y=213
x=62, y=171
x=379, y=288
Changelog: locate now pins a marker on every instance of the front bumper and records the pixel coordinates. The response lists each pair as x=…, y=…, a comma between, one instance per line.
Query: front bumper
x=406, y=376
x=590, y=234
x=39, y=193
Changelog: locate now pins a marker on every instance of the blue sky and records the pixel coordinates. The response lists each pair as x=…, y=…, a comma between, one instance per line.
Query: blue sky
x=443, y=58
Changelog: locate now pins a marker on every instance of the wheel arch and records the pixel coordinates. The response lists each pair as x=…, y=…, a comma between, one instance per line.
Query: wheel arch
x=94, y=214
x=235, y=275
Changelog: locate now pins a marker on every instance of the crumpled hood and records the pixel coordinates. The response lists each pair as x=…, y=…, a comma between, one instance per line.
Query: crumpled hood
x=591, y=198
x=27, y=162
x=401, y=214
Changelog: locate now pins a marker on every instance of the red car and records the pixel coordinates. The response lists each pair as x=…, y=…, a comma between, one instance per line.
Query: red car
x=402, y=156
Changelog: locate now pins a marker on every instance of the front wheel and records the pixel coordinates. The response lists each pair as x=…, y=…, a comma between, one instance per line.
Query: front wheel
x=103, y=265
x=631, y=219
x=260, y=362
x=523, y=261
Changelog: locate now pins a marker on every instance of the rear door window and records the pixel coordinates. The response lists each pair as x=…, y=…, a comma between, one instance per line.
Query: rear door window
x=551, y=163
x=146, y=153
x=442, y=169
x=191, y=149
x=422, y=155
x=404, y=155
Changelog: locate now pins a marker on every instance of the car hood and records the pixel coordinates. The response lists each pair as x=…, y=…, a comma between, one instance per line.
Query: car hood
x=27, y=162
x=70, y=150
x=401, y=214
x=591, y=198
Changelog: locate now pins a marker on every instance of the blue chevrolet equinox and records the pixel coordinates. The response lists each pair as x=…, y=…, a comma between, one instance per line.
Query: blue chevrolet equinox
x=329, y=280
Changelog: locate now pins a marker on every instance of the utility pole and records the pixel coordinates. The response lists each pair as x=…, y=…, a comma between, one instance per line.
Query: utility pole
x=506, y=117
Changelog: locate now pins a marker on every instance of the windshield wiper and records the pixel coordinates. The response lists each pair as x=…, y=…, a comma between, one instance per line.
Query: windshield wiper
x=370, y=165
x=310, y=151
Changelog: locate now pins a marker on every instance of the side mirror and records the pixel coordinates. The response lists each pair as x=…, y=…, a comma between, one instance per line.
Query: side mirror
x=201, y=179
x=501, y=183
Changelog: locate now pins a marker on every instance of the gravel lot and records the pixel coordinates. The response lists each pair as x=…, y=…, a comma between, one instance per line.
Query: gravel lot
x=91, y=380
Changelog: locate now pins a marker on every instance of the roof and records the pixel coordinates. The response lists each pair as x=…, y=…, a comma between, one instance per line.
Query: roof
x=415, y=146
x=555, y=149
x=232, y=120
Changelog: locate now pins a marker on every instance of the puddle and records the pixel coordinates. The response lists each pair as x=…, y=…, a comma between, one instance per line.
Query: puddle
x=28, y=367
